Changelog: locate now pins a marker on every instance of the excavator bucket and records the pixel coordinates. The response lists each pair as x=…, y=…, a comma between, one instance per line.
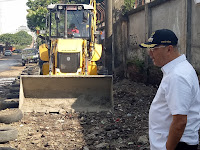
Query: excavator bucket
x=42, y=93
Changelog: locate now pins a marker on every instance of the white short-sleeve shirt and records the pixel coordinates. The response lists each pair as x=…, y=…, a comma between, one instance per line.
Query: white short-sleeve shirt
x=178, y=93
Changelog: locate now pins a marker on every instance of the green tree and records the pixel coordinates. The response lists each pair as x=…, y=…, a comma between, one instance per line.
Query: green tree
x=7, y=39
x=37, y=11
x=21, y=38
x=128, y=5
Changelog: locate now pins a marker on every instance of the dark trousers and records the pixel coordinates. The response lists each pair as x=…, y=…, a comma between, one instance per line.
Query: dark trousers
x=185, y=146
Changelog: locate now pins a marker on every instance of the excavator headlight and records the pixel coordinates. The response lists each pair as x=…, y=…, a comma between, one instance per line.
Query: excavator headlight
x=60, y=7
x=79, y=71
x=80, y=7
x=57, y=70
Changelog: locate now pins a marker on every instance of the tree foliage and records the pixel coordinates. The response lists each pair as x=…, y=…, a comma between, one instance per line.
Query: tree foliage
x=7, y=38
x=37, y=11
x=36, y=18
x=128, y=5
x=21, y=38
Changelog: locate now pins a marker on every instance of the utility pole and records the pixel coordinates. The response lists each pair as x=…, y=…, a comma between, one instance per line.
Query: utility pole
x=108, y=36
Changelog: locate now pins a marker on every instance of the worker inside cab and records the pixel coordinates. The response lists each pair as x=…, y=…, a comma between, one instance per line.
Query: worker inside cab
x=73, y=28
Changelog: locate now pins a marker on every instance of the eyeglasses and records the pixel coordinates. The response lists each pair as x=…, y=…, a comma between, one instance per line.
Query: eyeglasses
x=153, y=48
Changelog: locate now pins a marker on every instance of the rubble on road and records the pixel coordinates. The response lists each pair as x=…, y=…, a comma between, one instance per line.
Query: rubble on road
x=124, y=128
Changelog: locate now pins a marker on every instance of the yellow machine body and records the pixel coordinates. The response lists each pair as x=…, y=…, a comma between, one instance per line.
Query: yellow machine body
x=43, y=51
x=69, y=79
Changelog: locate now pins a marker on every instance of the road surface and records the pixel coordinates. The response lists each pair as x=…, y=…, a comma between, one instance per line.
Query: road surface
x=6, y=62
x=10, y=66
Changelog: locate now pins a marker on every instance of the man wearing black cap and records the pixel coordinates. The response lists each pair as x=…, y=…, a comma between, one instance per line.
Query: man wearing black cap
x=174, y=115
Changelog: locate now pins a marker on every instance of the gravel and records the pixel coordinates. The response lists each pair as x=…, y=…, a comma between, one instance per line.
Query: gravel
x=124, y=128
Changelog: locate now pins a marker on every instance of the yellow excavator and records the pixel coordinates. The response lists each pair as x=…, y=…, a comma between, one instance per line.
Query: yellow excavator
x=69, y=80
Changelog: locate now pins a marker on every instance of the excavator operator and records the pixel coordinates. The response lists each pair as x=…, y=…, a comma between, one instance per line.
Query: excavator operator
x=73, y=28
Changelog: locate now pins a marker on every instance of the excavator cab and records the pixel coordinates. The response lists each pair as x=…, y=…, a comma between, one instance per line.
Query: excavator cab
x=71, y=48
x=70, y=21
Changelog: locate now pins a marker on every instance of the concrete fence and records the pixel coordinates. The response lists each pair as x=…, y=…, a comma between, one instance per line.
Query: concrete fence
x=133, y=28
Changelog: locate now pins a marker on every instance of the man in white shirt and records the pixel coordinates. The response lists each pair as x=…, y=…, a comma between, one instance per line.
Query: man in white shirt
x=174, y=115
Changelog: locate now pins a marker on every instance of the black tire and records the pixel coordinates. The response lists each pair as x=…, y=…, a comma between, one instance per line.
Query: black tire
x=9, y=104
x=10, y=115
x=12, y=95
x=14, y=90
x=17, y=80
x=15, y=85
x=8, y=134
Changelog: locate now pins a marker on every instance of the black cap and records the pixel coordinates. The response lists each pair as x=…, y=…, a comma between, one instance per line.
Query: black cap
x=161, y=37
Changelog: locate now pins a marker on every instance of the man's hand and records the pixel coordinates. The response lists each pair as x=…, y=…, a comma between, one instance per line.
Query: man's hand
x=176, y=131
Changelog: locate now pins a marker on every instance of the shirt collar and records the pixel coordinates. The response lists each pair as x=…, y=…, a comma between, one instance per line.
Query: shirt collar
x=168, y=67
